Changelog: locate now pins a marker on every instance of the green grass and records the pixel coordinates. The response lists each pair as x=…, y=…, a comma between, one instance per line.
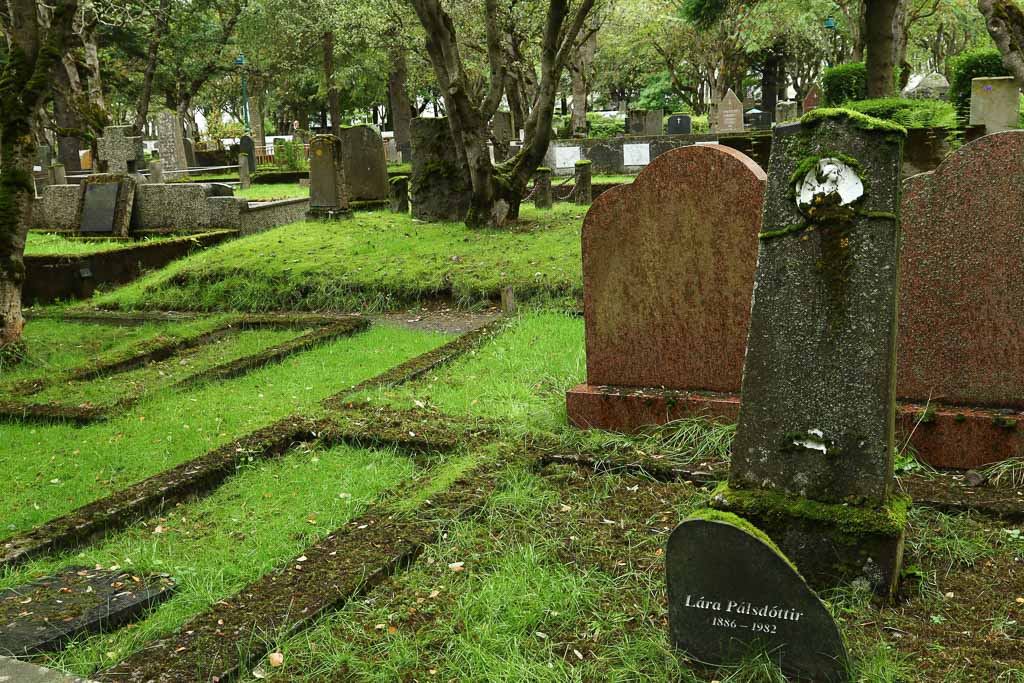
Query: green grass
x=269, y=193
x=213, y=547
x=376, y=261
x=50, y=244
x=53, y=469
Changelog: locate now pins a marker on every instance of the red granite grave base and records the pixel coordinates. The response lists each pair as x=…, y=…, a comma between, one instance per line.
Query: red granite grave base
x=944, y=436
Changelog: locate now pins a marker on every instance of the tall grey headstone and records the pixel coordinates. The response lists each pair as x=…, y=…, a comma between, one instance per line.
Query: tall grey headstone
x=57, y=175
x=644, y=121
x=248, y=147
x=366, y=167
x=786, y=110
x=818, y=397
x=439, y=188
x=170, y=141
x=730, y=114
x=156, y=171
x=328, y=191
x=244, y=179
x=190, y=152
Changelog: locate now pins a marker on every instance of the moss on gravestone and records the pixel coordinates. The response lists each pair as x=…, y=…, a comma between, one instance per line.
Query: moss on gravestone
x=713, y=515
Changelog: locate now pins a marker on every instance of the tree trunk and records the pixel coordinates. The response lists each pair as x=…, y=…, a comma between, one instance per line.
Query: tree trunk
x=256, y=99
x=770, y=82
x=153, y=51
x=580, y=71
x=333, y=98
x=1005, y=24
x=69, y=123
x=879, y=43
x=398, y=98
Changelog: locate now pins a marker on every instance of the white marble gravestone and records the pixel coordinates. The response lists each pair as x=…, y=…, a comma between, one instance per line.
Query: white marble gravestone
x=566, y=157
x=636, y=154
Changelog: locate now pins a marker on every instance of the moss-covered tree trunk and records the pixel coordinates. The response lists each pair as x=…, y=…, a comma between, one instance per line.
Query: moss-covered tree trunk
x=33, y=49
x=1005, y=23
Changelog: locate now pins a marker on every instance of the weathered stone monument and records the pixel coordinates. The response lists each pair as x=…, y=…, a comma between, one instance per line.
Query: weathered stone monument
x=56, y=174
x=190, y=151
x=399, y=194
x=759, y=120
x=156, y=171
x=105, y=204
x=961, y=332
x=366, y=166
x=170, y=141
x=440, y=188
x=680, y=124
x=582, y=193
x=542, y=195
x=730, y=114
x=934, y=86
x=502, y=134
x=119, y=150
x=644, y=121
x=668, y=262
x=812, y=100
x=786, y=110
x=995, y=103
x=812, y=462
x=328, y=190
x=247, y=146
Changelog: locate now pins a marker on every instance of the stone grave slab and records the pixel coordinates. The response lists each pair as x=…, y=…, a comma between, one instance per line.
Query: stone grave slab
x=733, y=594
x=439, y=187
x=566, y=157
x=680, y=124
x=366, y=167
x=328, y=190
x=170, y=141
x=995, y=103
x=634, y=154
x=45, y=614
x=105, y=205
x=730, y=114
x=246, y=145
x=119, y=149
x=818, y=398
x=786, y=110
x=668, y=262
x=17, y=671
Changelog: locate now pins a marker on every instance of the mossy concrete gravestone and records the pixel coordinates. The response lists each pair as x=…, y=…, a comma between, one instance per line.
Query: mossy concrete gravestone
x=786, y=110
x=399, y=194
x=732, y=594
x=170, y=141
x=247, y=146
x=995, y=103
x=961, y=327
x=440, y=188
x=730, y=114
x=934, y=86
x=668, y=263
x=328, y=190
x=119, y=150
x=812, y=461
x=105, y=204
x=644, y=121
x=244, y=179
x=542, y=195
x=366, y=166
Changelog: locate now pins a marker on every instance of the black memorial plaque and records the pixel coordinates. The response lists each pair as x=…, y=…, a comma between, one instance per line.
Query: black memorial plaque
x=99, y=208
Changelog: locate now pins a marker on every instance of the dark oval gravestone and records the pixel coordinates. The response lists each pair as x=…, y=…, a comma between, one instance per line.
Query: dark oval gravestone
x=733, y=595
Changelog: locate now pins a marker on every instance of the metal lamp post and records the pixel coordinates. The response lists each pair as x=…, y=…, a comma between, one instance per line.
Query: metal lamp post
x=240, y=62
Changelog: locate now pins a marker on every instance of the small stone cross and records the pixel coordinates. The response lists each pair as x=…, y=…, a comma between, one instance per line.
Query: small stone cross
x=118, y=149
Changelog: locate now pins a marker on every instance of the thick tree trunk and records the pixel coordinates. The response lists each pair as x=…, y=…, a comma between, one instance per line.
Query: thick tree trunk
x=880, y=47
x=256, y=99
x=770, y=82
x=333, y=97
x=69, y=123
x=152, y=53
x=1005, y=23
x=580, y=72
x=398, y=98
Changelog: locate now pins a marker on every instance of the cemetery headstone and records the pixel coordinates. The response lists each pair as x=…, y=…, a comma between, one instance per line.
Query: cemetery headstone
x=542, y=195
x=57, y=175
x=439, y=188
x=732, y=593
x=170, y=141
x=46, y=613
x=247, y=146
x=502, y=134
x=190, y=152
x=812, y=100
x=405, y=152
x=934, y=86
x=86, y=160
x=244, y=179
x=961, y=328
x=995, y=103
x=156, y=171
x=366, y=167
x=680, y=124
x=45, y=156
x=786, y=110
x=644, y=121
x=583, y=190
x=119, y=150
x=759, y=120
x=814, y=443
x=730, y=114
x=328, y=190
x=681, y=238
x=399, y=197
x=105, y=204
x=635, y=154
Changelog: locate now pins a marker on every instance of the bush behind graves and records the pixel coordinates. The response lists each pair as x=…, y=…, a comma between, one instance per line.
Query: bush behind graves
x=290, y=155
x=844, y=83
x=970, y=65
x=908, y=113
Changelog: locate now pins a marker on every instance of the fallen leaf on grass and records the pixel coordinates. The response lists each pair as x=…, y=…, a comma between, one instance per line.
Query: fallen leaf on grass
x=276, y=659
x=457, y=566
